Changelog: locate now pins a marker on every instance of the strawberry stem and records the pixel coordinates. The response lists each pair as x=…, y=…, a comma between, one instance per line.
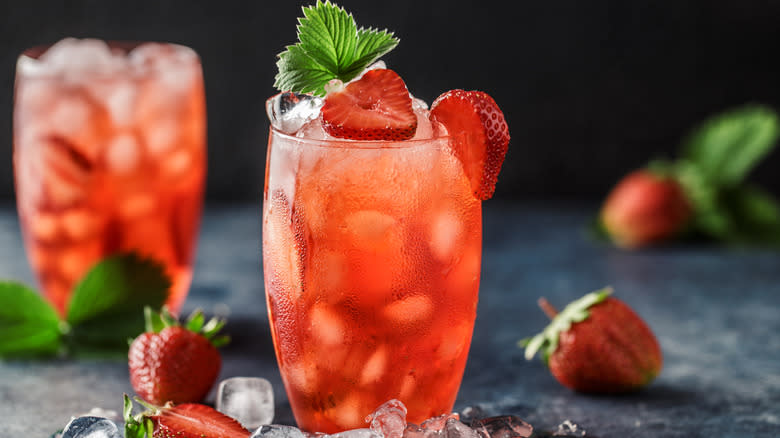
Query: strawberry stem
x=547, y=308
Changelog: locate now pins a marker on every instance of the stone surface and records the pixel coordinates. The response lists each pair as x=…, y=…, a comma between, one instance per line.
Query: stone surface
x=715, y=311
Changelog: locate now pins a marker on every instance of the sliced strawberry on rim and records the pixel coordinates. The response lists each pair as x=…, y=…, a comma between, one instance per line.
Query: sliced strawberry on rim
x=480, y=133
x=375, y=107
x=189, y=420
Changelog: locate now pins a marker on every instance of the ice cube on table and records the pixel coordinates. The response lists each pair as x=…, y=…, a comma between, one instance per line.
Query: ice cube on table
x=277, y=431
x=91, y=427
x=454, y=428
x=250, y=400
x=507, y=426
x=288, y=111
x=389, y=419
x=355, y=433
x=569, y=429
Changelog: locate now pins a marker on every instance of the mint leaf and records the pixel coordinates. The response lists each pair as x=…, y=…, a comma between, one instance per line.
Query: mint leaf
x=727, y=147
x=108, y=304
x=330, y=47
x=754, y=216
x=28, y=325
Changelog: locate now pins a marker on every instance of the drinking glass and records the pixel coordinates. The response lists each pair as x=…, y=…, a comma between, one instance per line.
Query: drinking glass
x=109, y=156
x=371, y=259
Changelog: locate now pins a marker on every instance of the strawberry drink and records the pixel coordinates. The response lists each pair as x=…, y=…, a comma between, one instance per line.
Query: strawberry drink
x=109, y=156
x=371, y=227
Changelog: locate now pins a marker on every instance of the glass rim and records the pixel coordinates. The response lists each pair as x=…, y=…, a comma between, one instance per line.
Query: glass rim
x=35, y=52
x=343, y=143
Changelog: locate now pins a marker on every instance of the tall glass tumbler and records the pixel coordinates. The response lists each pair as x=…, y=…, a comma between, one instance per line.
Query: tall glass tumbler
x=371, y=259
x=109, y=157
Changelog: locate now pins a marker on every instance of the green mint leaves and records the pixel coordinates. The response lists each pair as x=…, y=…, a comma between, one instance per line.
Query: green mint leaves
x=576, y=311
x=106, y=309
x=330, y=46
x=715, y=160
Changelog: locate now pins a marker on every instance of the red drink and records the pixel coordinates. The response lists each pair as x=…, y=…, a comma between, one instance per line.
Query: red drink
x=372, y=257
x=109, y=156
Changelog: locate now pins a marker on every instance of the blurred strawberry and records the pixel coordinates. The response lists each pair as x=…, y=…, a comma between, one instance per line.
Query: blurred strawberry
x=644, y=208
x=174, y=363
x=597, y=344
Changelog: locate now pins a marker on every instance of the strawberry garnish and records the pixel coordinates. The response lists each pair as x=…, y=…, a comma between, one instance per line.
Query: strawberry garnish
x=171, y=363
x=375, y=107
x=189, y=420
x=480, y=135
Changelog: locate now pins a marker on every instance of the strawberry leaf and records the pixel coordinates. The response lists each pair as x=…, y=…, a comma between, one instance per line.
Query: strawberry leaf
x=28, y=325
x=330, y=47
x=726, y=147
x=107, y=305
x=576, y=311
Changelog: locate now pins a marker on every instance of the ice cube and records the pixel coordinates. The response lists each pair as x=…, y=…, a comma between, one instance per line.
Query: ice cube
x=389, y=419
x=74, y=118
x=79, y=223
x=409, y=310
x=123, y=153
x=418, y=105
x=313, y=130
x=355, y=433
x=91, y=427
x=117, y=96
x=507, y=426
x=454, y=428
x=277, y=431
x=438, y=424
x=375, y=366
x=250, y=400
x=44, y=226
x=177, y=163
x=569, y=429
x=288, y=111
x=172, y=67
x=74, y=57
x=444, y=232
x=328, y=326
x=161, y=135
x=424, y=127
x=136, y=205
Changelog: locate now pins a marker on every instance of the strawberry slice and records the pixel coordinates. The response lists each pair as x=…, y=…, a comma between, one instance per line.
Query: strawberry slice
x=193, y=420
x=375, y=107
x=189, y=420
x=480, y=132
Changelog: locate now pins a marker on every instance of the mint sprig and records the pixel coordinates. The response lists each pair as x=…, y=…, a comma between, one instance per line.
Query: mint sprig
x=330, y=46
x=715, y=161
x=106, y=309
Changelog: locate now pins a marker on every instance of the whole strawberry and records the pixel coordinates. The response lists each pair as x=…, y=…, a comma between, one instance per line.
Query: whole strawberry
x=597, y=344
x=174, y=363
x=188, y=420
x=644, y=208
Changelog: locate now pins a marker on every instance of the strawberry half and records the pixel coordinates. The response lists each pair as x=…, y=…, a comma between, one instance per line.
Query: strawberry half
x=171, y=363
x=189, y=420
x=375, y=107
x=480, y=133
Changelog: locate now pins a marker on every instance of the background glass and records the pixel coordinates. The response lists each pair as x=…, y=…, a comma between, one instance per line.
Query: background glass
x=109, y=156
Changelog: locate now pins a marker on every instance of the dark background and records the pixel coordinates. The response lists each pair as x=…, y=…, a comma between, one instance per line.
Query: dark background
x=590, y=89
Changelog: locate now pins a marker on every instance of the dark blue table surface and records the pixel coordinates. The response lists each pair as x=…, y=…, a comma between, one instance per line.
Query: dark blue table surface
x=716, y=313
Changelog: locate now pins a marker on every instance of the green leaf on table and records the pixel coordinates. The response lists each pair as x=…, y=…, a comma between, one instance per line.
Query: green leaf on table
x=728, y=146
x=330, y=47
x=29, y=326
x=107, y=306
